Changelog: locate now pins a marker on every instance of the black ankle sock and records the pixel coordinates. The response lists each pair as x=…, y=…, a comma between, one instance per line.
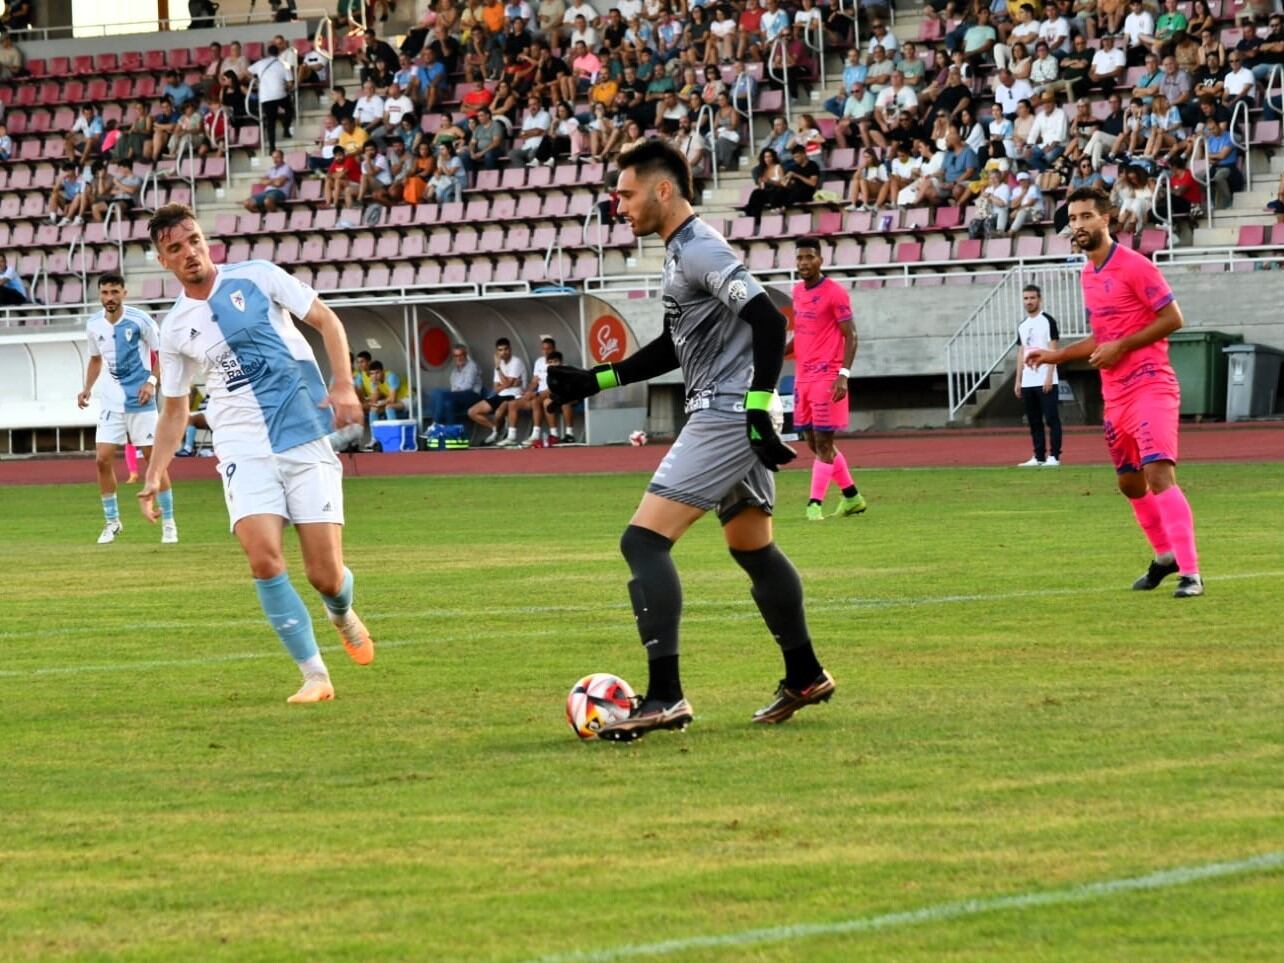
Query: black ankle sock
x=851, y=491
x=814, y=501
x=801, y=667
x=663, y=684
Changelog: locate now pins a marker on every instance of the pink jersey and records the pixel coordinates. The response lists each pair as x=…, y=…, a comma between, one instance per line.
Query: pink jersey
x=1122, y=297
x=818, y=340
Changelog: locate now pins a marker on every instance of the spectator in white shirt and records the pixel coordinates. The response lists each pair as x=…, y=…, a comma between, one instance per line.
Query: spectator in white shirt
x=274, y=94
x=574, y=10
x=1048, y=135
x=1239, y=83
x=1044, y=70
x=1055, y=30
x=1026, y=204
x=368, y=111
x=395, y=106
x=534, y=128
x=1025, y=32
x=328, y=140
x=1010, y=91
x=584, y=33
x=1139, y=28
x=882, y=37
x=1108, y=66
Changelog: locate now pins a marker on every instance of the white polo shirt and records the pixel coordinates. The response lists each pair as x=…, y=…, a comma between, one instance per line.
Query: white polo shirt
x=1037, y=331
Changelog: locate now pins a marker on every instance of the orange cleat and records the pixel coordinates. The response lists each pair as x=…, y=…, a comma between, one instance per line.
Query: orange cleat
x=315, y=688
x=356, y=640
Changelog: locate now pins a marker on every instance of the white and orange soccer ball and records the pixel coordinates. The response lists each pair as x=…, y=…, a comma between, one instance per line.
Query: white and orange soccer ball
x=637, y=438
x=598, y=700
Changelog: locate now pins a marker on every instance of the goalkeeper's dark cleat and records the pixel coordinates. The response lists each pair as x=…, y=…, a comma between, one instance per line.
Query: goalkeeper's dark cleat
x=650, y=715
x=788, y=701
x=1188, y=586
x=1156, y=573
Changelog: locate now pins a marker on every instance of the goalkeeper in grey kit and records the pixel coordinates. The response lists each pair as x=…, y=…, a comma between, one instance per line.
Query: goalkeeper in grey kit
x=721, y=328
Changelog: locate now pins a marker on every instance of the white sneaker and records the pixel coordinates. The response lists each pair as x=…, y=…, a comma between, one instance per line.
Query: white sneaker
x=169, y=532
x=1052, y=462
x=64, y=222
x=110, y=531
x=1032, y=463
x=77, y=220
x=508, y=442
x=491, y=438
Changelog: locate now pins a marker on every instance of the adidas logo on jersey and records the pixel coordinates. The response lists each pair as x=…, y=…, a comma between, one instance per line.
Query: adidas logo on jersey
x=192, y=332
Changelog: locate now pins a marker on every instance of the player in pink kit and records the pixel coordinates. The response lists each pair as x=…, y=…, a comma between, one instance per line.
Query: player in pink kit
x=1132, y=313
x=824, y=346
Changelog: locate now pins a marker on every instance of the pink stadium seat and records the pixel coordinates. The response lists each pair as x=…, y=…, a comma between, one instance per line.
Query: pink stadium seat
x=1029, y=245
x=325, y=219
x=771, y=101
x=487, y=180
x=71, y=292
x=145, y=86
x=363, y=247
x=465, y=242
x=180, y=58
x=82, y=65
x=968, y=249
x=263, y=249
x=287, y=252
x=215, y=168
x=937, y=249
x=580, y=204
x=528, y=207
x=762, y=257
x=877, y=251
x=1266, y=131
x=428, y=274
x=388, y=247
x=38, y=68
x=542, y=238
x=998, y=248
x=564, y=175
x=304, y=274
x=273, y=221
x=313, y=249
x=254, y=50
x=506, y=271
x=480, y=271
x=555, y=206
x=909, y=252
x=218, y=254
x=337, y=248
x=401, y=215
x=377, y=277
x=742, y=228
x=513, y=179
x=857, y=222
x=248, y=136
x=131, y=61
x=309, y=191
x=1277, y=233
x=439, y=244
x=327, y=279
x=539, y=177
x=503, y=209
x=622, y=235
x=121, y=88
x=403, y=276
x=948, y=218
x=477, y=210
x=152, y=289
x=427, y=214
x=1126, y=240
x=454, y=273
x=798, y=225
x=351, y=277
x=1251, y=235
x=154, y=60
x=51, y=93
x=59, y=66
x=251, y=223
x=519, y=238
x=491, y=241
x=1156, y=239
x=591, y=173
x=828, y=222
x=1058, y=245
x=842, y=158
x=300, y=219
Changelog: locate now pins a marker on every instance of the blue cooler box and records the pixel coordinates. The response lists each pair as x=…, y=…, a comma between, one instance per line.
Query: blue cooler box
x=398, y=435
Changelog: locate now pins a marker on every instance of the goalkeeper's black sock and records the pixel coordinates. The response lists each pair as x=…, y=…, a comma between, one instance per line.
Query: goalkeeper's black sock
x=778, y=592
x=656, y=593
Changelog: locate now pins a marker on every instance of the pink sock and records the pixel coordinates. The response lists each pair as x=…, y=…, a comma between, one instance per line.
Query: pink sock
x=842, y=477
x=1179, y=523
x=131, y=459
x=820, y=475
x=1148, y=518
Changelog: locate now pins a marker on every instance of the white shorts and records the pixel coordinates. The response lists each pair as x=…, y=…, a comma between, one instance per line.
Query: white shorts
x=117, y=427
x=302, y=484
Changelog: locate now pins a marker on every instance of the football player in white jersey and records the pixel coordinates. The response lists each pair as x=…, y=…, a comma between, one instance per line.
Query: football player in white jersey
x=122, y=338
x=232, y=330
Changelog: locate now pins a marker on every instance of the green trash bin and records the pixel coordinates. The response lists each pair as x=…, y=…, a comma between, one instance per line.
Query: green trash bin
x=1197, y=358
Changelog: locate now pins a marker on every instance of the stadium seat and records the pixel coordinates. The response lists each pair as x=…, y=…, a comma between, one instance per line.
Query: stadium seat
x=1251, y=235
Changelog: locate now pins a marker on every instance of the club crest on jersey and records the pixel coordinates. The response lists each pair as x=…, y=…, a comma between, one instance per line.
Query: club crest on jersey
x=737, y=291
x=129, y=335
x=238, y=300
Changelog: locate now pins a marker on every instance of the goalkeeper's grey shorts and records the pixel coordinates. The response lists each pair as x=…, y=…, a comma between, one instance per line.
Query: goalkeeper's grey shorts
x=712, y=467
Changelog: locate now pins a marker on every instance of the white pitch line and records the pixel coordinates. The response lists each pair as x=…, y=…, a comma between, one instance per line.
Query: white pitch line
x=831, y=606
x=940, y=912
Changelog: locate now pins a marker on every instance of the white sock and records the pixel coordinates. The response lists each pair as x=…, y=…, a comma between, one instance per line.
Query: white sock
x=512, y=432
x=314, y=666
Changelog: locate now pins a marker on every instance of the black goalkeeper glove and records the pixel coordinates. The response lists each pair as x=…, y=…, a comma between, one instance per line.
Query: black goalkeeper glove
x=568, y=384
x=764, y=441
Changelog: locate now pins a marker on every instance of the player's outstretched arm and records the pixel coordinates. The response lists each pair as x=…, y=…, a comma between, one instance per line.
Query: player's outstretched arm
x=568, y=384
x=342, y=399
x=170, y=426
x=1075, y=352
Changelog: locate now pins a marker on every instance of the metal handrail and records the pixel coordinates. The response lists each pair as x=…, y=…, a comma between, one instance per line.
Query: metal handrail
x=783, y=78
x=1202, y=141
x=711, y=140
x=556, y=244
x=325, y=30
x=819, y=46
x=747, y=114
x=228, y=127
x=1276, y=74
x=258, y=102
x=595, y=214
x=113, y=215
x=187, y=152
x=176, y=25
x=1241, y=110
x=358, y=22
x=78, y=242
x=1165, y=183
x=152, y=179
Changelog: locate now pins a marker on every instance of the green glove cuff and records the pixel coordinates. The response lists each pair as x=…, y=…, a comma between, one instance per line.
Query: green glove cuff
x=758, y=400
x=606, y=377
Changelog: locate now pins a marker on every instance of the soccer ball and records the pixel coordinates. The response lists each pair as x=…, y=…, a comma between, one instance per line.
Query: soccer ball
x=597, y=700
x=637, y=438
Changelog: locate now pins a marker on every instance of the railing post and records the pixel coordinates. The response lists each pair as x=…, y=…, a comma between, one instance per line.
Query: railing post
x=1241, y=111
x=783, y=78
x=707, y=110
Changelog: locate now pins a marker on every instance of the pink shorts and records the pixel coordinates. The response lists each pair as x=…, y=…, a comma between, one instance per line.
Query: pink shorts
x=815, y=408
x=1142, y=428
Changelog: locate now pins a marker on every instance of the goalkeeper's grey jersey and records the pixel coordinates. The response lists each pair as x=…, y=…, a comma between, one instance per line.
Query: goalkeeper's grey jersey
x=705, y=288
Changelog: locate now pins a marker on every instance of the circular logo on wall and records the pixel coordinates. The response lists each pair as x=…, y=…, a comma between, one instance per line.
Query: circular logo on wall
x=608, y=339
x=434, y=347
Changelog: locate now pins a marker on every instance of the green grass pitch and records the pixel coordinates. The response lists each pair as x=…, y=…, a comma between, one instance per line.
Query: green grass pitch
x=1010, y=719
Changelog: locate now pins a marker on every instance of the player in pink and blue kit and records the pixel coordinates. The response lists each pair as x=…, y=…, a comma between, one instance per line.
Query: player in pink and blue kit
x=824, y=346
x=1132, y=312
